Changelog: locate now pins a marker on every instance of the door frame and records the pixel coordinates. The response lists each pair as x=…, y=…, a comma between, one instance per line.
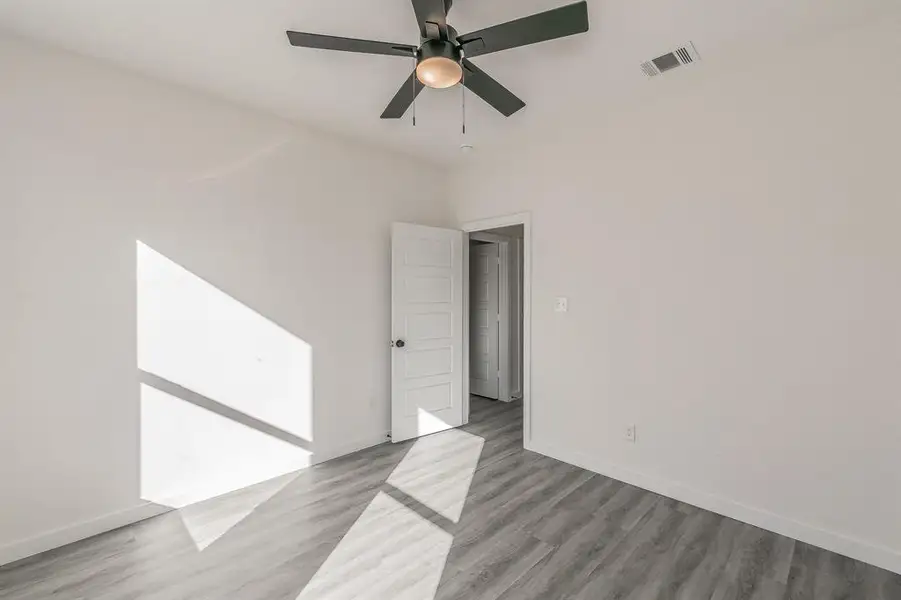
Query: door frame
x=524, y=219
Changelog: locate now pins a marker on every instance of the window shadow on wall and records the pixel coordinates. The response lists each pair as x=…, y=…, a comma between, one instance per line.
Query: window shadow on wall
x=226, y=394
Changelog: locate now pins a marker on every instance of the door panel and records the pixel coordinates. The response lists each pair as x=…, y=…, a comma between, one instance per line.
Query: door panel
x=429, y=326
x=428, y=363
x=428, y=290
x=484, y=349
x=431, y=398
x=427, y=315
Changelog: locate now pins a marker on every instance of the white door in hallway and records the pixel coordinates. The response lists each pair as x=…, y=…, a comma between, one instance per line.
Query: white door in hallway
x=426, y=329
x=484, y=302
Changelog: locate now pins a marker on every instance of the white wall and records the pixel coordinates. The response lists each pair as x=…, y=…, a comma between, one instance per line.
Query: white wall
x=732, y=259
x=283, y=232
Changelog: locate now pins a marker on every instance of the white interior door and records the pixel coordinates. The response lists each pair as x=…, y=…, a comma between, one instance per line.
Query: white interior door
x=484, y=311
x=427, y=330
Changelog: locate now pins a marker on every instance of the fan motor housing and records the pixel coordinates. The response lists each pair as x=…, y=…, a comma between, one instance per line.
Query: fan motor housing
x=438, y=48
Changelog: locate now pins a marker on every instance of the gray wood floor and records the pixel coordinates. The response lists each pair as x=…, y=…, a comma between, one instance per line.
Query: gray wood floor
x=462, y=514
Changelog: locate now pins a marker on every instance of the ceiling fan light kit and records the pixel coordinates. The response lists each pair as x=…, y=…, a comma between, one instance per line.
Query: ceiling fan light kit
x=438, y=64
x=442, y=58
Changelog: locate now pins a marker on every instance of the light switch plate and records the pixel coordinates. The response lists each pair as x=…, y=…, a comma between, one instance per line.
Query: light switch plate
x=561, y=305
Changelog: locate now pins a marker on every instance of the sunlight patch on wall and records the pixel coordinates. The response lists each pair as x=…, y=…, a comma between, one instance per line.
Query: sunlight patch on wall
x=189, y=454
x=226, y=395
x=197, y=336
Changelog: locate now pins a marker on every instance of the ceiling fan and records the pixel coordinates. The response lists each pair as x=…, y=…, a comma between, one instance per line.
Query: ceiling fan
x=442, y=58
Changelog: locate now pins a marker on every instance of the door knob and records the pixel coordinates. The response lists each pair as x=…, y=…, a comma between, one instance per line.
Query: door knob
x=400, y=344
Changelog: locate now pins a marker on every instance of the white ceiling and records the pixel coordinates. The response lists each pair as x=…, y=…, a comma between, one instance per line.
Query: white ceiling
x=238, y=50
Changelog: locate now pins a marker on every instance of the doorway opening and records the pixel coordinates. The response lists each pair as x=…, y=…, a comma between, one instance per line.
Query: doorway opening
x=496, y=330
x=431, y=326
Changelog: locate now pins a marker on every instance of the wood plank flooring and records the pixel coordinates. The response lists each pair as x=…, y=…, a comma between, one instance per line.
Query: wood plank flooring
x=462, y=514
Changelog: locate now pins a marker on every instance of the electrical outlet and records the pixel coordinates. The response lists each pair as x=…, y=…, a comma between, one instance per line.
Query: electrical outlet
x=561, y=305
x=630, y=433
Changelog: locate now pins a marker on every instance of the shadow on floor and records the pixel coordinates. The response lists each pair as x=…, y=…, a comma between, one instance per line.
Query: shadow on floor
x=461, y=514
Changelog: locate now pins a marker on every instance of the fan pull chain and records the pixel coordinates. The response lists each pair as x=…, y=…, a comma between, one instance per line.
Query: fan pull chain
x=463, y=94
x=414, y=89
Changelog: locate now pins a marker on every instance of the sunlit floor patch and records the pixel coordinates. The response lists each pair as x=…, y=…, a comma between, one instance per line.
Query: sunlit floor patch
x=438, y=470
x=205, y=526
x=371, y=546
x=401, y=540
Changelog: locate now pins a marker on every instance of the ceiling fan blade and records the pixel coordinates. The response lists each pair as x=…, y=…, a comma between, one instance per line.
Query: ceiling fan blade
x=434, y=12
x=550, y=25
x=403, y=98
x=329, y=42
x=488, y=89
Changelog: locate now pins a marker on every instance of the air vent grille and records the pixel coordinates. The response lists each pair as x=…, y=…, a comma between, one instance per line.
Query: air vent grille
x=649, y=69
x=683, y=55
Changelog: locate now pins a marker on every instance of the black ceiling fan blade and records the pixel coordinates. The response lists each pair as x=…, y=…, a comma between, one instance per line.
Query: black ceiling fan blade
x=488, y=89
x=403, y=98
x=550, y=25
x=434, y=12
x=330, y=42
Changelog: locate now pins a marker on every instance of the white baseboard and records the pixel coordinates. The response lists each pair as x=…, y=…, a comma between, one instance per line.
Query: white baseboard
x=350, y=447
x=851, y=547
x=79, y=531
